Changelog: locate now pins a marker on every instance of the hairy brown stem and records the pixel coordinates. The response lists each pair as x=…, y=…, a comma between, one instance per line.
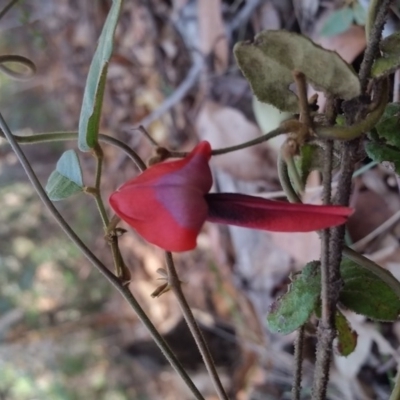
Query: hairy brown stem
x=301, y=84
x=332, y=247
x=377, y=14
x=298, y=359
x=326, y=327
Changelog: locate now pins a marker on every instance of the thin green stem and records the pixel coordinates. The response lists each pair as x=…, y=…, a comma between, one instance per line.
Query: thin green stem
x=365, y=168
x=216, y=152
x=64, y=136
x=301, y=84
x=99, y=155
x=175, y=285
x=357, y=129
x=121, y=270
x=13, y=58
x=285, y=181
x=294, y=174
x=114, y=281
x=267, y=136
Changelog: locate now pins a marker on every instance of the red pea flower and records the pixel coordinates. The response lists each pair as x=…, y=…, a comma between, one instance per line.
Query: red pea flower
x=169, y=202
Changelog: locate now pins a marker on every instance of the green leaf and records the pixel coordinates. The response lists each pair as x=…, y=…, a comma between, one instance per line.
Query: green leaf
x=306, y=161
x=268, y=64
x=347, y=338
x=391, y=44
x=379, y=152
x=338, y=22
x=366, y=294
x=388, y=126
x=94, y=90
x=360, y=14
x=66, y=179
x=311, y=158
x=384, y=66
x=390, y=61
x=294, y=308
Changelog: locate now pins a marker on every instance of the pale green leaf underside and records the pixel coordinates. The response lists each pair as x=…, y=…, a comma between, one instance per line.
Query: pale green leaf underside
x=66, y=180
x=93, y=96
x=338, y=22
x=59, y=187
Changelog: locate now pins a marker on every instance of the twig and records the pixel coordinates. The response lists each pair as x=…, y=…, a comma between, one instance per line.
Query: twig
x=64, y=136
x=179, y=93
x=115, y=282
x=243, y=15
x=301, y=85
x=216, y=152
x=175, y=285
x=326, y=327
x=377, y=14
x=326, y=331
x=376, y=232
x=7, y=8
x=298, y=359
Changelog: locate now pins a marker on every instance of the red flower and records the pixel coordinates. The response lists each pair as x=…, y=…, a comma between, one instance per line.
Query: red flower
x=169, y=202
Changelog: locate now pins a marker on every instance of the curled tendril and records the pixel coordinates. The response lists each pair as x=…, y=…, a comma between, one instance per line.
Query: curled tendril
x=24, y=61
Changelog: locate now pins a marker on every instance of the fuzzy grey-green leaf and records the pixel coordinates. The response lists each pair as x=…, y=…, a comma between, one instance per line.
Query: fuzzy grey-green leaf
x=89, y=119
x=269, y=61
x=391, y=44
x=294, y=308
x=390, y=60
x=360, y=14
x=66, y=179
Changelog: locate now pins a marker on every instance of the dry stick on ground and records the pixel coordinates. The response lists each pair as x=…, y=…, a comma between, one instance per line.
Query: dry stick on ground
x=326, y=331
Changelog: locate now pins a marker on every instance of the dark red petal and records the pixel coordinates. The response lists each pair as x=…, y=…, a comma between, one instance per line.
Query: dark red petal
x=173, y=229
x=193, y=169
x=165, y=204
x=258, y=213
